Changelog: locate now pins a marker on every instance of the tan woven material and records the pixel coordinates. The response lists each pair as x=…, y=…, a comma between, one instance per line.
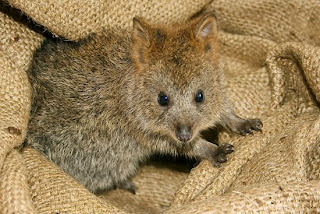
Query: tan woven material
x=16, y=45
x=272, y=61
x=75, y=19
x=15, y=194
x=53, y=191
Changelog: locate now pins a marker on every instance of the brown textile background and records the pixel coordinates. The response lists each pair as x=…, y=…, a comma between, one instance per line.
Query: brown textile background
x=272, y=61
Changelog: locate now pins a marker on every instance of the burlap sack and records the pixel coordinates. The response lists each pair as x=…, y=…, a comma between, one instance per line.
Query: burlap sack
x=272, y=60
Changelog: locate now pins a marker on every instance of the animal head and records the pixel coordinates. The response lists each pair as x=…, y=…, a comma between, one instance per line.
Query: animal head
x=178, y=77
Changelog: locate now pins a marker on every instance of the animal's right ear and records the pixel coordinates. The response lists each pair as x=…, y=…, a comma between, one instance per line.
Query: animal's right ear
x=205, y=34
x=141, y=42
x=206, y=29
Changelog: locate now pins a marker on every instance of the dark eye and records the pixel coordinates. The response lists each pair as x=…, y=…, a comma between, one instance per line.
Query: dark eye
x=199, y=97
x=163, y=99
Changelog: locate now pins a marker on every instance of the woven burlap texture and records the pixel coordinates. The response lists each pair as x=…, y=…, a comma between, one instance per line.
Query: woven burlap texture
x=272, y=63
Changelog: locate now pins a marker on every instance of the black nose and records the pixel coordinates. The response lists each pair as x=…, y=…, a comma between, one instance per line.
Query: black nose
x=184, y=133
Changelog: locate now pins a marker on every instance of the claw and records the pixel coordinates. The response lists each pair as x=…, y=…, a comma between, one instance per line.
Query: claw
x=257, y=128
x=243, y=132
x=219, y=155
x=228, y=149
x=249, y=126
x=217, y=164
x=222, y=158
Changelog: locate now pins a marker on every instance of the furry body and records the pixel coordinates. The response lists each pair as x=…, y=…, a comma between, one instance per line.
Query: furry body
x=96, y=111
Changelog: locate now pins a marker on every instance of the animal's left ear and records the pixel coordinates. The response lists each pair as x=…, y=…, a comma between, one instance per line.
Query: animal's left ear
x=206, y=31
x=141, y=32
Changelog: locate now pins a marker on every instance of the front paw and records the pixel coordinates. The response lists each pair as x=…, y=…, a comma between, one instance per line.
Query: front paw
x=250, y=125
x=220, y=155
x=216, y=154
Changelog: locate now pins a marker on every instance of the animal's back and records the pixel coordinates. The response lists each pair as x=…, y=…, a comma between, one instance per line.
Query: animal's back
x=77, y=106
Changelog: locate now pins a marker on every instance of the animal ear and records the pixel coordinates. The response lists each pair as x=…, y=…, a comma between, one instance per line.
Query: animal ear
x=141, y=38
x=206, y=30
x=141, y=31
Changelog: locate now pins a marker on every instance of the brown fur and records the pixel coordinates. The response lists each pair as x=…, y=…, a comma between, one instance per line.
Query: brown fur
x=95, y=109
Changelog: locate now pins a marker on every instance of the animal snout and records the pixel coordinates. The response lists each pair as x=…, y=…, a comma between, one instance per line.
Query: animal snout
x=183, y=133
